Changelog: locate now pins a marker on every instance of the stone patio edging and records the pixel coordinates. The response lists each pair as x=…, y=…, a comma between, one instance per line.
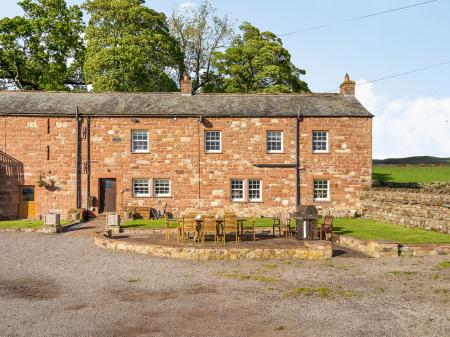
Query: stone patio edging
x=311, y=251
x=374, y=248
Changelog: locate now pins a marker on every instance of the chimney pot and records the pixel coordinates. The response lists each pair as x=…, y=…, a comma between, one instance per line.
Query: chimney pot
x=348, y=87
x=186, y=85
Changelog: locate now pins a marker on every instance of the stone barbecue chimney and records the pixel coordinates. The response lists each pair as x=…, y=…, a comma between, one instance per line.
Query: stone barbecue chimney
x=186, y=85
x=348, y=86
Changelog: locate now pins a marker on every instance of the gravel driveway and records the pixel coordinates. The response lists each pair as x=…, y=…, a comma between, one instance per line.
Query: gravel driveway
x=64, y=286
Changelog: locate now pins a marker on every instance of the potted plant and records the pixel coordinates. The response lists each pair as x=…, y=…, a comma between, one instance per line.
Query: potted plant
x=41, y=183
x=74, y=214
x=127, y=214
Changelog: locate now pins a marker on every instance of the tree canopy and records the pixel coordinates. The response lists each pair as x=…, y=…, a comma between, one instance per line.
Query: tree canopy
x=42, y=50
x=256, y=62
x=130, y=48
x=200, y=33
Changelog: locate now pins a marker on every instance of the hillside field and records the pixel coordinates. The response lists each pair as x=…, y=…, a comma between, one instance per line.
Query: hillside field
x=411, y=174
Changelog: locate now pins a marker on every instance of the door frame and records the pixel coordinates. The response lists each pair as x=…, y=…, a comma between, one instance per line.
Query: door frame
x=101, y=194
x=29, y=216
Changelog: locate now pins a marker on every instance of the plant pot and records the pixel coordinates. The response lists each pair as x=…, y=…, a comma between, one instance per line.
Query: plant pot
x=75, y=216
x=126, y=215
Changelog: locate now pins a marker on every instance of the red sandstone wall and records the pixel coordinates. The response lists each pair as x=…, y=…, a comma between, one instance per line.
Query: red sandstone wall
x=174, y=154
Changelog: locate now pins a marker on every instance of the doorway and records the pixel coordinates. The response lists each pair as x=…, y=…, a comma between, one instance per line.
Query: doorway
x=26, y=202
x=107, y=195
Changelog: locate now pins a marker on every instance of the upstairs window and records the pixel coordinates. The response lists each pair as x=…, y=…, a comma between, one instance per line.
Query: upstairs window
x=141, y=187
x=254, y=190
x=320, y=141
x=274, y=141
x=237, y=190
x=213, y=141
x=140, y=142
x=321, y=190
x=162, y=188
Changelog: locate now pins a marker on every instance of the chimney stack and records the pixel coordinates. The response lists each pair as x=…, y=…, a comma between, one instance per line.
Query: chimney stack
x=186, y=85
x=348, y=87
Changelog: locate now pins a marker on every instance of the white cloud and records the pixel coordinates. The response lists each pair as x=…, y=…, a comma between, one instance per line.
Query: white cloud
x=186, y=6
x=408, y=127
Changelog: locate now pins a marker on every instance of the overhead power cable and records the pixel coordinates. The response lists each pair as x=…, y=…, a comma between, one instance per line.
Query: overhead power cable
x=405, y=73
x=361, y=17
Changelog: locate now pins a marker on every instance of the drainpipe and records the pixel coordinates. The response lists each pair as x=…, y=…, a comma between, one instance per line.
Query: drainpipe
x=78, y=118
x=88, y=162
x=299, y=119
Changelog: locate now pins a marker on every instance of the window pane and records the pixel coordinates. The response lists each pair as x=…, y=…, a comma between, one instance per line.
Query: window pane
x=237, y=190
x=212, y=141
x=274, y=141
x=140, y=141
x=254, y=190
x=320, y=141
x=321, y=191
x=162, y=187
x=141, y=187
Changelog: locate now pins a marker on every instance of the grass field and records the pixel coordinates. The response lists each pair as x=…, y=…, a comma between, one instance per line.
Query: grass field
x=359, y=228
x=411, y=174
x=376, y=230
x=156, y=224
x=37, y=224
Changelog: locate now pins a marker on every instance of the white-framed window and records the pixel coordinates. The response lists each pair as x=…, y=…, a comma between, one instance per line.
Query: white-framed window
x=213, y=141
x=320, y=141
x=141, y=187
x=274, y=141
x=237, y=190
x=254, y=190
x=321, y=190
x=161, y=188
x=140, y=141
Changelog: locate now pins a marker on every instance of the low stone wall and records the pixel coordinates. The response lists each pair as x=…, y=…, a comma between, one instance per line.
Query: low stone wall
x=370, y=248
x=424, y=250
x=392, y=249
x=408, y=207
x=308, y=251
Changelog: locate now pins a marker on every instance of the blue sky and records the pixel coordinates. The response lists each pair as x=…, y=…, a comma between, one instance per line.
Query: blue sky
x=410, y=111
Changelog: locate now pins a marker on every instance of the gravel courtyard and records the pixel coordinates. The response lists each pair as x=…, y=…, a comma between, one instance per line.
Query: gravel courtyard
x=64, y=286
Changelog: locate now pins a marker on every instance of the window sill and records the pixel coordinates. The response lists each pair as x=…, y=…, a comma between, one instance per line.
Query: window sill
x=275, y=152
x=134, y=152
x=322, y=201
x=213, y=152
x=321, y=152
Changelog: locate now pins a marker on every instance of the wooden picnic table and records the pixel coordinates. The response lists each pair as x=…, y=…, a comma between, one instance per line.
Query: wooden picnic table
x=219, y=225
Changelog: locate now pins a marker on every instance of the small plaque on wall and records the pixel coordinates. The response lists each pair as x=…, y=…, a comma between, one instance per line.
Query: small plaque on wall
x=117, y=140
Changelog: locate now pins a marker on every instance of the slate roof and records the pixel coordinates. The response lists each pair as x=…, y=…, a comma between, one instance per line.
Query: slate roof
x=176, y=105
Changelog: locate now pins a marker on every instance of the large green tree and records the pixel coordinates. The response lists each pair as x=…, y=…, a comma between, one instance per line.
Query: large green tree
x=129, y=48
x=43, y=49
x=256, y=62
x=200, y=33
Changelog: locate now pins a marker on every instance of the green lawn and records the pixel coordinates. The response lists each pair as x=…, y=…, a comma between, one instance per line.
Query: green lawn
x=157, y=224
x=376, y=230
x=360, y=228
x=411, y=174
x=37, y=224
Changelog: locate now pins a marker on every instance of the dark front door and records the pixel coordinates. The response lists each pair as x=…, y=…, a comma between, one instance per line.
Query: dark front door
x=107, y=195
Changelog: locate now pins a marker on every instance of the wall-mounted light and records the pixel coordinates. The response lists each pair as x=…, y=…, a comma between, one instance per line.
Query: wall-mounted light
x=135, y=120
x=200, y=119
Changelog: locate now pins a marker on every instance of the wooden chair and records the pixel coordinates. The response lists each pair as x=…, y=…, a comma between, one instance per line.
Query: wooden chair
x=326, y=229
x=283, y=223
x=168, y=222
x=189, y=225
x=230, y=225
x=209, y=225
x=252, y=228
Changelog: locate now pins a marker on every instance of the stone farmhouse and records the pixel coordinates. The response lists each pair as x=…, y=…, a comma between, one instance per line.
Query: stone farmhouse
x=256, y=154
